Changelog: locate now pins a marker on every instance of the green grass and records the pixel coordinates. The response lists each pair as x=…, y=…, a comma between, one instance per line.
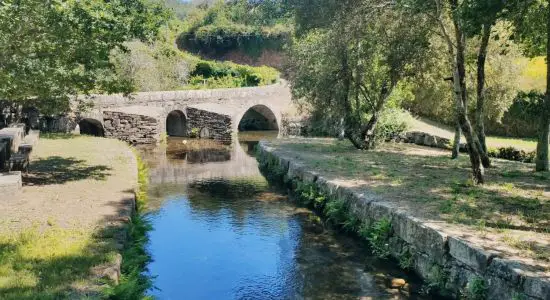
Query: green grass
x=53, y=263
x=430, y=184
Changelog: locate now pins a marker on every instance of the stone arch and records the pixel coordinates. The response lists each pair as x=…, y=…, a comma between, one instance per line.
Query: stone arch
x=176, y=123
x=90, y=126
x=258, y=117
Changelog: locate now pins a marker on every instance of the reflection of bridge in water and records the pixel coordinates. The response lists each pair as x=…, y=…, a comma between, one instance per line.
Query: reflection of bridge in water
x=181, y=167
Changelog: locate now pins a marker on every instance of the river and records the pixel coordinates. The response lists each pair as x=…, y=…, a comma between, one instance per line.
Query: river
x=220, y=231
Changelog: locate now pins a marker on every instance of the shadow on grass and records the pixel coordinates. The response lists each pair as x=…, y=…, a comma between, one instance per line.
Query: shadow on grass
x=59, y=170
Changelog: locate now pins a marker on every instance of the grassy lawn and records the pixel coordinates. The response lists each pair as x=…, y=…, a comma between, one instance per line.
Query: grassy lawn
x=492, y=141
x=511, y=213
x=60, y=237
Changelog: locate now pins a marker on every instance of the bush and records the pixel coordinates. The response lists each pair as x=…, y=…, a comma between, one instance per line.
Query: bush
x=511, y=153
x=212, y=74
x=393, y=122
x=521, y=119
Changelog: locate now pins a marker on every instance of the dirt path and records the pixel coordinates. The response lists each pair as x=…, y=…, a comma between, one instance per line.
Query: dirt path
x=73, y=182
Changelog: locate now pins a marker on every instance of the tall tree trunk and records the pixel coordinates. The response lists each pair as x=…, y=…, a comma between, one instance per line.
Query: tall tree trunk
x=480, y=105
x=542, y=163
x=459, y=85
x=456, y=141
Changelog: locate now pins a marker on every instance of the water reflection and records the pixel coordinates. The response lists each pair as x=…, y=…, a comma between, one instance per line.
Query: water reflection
x=221, y=232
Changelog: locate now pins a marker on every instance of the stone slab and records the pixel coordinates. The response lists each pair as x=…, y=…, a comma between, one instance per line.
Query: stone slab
x=10, y=184
x=474, y=257
x=16, y=136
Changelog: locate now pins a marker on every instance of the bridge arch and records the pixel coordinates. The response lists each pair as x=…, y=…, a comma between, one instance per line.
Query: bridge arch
x=258, y=117
x=176, y=123
x=89, y=126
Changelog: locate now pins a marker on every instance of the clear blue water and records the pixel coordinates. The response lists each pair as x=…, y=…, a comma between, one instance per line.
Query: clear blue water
x=221, y=232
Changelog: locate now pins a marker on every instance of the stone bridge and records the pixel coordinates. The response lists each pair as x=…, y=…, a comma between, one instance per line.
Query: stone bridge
x=143, y=118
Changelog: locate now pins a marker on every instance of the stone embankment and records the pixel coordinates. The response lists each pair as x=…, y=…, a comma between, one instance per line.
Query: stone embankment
x=441, y=258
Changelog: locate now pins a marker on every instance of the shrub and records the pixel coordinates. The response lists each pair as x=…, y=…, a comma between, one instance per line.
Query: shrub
x=212, y=74
x=476, y=289
x=511, y=153
x=393, y=122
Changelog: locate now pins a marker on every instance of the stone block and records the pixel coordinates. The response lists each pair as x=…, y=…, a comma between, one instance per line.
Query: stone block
x=296, y=170
x=422, y=237
x=15, y=134
x=430, y=140
x=419, y=138
x=475, y=258
x=538, y=287
x=10, y=184
x=505, y=269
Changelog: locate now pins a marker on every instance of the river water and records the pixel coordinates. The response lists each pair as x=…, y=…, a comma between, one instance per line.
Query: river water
x=221, y=232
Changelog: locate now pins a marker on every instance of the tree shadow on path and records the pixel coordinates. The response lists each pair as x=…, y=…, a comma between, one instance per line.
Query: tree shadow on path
x=59, y=170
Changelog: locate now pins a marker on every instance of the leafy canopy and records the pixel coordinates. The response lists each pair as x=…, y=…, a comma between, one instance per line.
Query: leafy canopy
x=52, y=49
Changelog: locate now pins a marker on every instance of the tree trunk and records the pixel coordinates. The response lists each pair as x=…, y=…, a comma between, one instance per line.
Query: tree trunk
x=459, y=85
x=542, y=163
x=456, y=141
x=480, y=107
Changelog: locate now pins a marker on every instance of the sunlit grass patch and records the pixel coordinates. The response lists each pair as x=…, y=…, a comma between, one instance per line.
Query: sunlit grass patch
x=50, y=263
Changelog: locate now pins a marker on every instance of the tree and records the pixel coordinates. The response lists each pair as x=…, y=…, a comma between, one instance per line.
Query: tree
x=350, y=67
x=443, y=13
x=53, y=49
x=534, y=35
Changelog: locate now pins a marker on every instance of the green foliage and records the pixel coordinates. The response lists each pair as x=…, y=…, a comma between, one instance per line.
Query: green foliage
x=336, y=211
x=250, y=26
x=476, y=289
x=194, y=133
x=210, y=74
x=522, y=116
x=406, y=259
x=378, y=236
x=436, y=281
x=50, y=52
x=350, y=67
x=433, y=96
x=393, y=122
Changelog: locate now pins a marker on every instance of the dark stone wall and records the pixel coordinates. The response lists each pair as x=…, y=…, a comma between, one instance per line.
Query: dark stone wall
x=212, y=125
x=134, y=129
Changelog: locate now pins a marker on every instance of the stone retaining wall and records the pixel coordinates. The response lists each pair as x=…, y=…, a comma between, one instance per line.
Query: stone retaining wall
x=210, y=125
x=134, y=129
x=436, y=255
x=428, y=140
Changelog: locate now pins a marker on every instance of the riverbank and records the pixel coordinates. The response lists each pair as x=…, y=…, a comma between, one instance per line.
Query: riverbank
x=491, y=241
x=62, y=237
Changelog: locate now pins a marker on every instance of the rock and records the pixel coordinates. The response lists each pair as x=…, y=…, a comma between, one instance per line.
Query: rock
x=396, y=283
x=204, y=133
x=430, y=140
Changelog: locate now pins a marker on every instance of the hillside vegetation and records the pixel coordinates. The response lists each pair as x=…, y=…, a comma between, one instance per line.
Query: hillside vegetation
x=244, y=31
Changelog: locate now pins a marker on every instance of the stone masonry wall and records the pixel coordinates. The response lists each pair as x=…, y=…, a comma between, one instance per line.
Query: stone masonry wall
x=134, y=129
x=210, y=125
x=438, y=257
